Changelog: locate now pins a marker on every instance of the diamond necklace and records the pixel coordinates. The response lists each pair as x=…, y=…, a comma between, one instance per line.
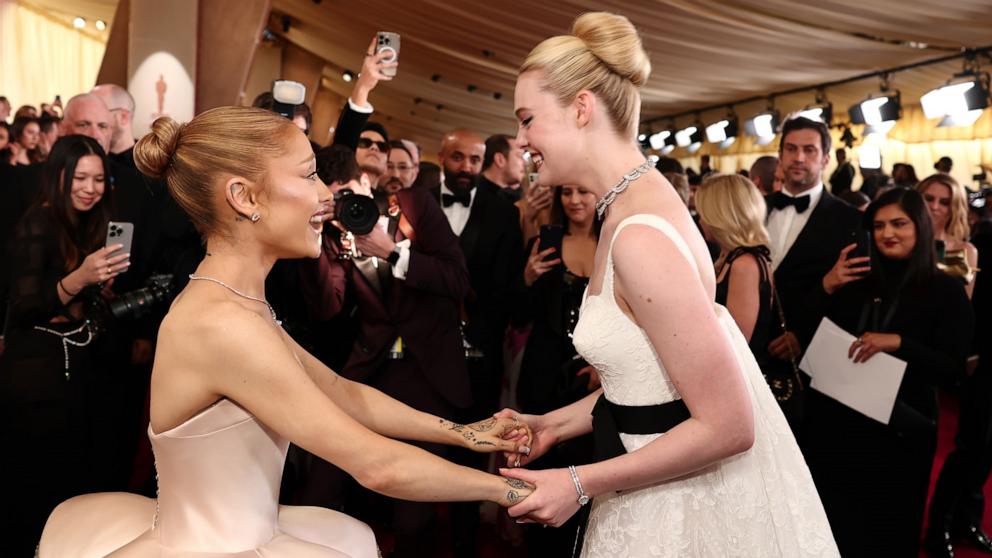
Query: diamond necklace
x=625, y=181
x=237, y=292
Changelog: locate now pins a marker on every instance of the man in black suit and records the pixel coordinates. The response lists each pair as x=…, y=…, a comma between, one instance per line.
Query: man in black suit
x=407, y=286
x=488, y=229
x=503, y=167
x=808, y=227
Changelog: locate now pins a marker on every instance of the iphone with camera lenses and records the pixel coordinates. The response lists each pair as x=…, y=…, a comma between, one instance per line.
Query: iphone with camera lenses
x=119, y=232
x=387, y=41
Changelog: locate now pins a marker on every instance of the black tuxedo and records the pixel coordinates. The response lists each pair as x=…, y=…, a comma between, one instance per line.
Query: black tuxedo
x=810, y=258
x=349, y=127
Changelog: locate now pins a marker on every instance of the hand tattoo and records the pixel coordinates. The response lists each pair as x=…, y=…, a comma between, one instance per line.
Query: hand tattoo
x=516, y=483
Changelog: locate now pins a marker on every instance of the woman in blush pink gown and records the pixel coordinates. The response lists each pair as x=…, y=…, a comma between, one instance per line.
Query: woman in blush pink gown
x=230, y=388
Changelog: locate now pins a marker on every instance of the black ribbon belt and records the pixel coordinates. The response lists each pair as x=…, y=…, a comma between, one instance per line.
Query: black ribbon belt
x=610, y=419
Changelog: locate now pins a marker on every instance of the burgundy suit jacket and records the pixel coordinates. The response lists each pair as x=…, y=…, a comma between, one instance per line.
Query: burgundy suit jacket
x=423, y=309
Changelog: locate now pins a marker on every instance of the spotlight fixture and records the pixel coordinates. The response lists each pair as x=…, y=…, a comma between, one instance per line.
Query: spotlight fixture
x=101, y=25
x=960, y=101
x=79, y=23
x=763, y=126
x=497, y=95
x=348, y=75
x=723, y=132
x=285, y=22
x=690, y=137
x=879, y=111
x=820, y=111
x=659, y=140
x=642, y=140
x=471, y=88
x=436, y=78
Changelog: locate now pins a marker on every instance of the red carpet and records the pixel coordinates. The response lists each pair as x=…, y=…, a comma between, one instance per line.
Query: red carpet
x=947, y=427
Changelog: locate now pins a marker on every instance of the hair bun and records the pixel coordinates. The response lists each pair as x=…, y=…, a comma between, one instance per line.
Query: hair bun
x=613, y=39
x=155, y=150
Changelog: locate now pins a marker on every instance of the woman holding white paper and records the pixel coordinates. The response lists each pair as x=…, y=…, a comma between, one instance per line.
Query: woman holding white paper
x=873, y=477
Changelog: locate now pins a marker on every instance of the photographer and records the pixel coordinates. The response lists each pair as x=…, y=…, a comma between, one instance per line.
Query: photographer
x=407, y=281
x=59, y=395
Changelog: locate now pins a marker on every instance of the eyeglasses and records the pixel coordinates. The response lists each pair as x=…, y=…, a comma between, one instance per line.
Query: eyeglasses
x=401, y=167
x=366, y=143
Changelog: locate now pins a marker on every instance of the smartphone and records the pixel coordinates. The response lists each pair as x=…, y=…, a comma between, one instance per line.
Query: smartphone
x=532, y=178
x=119, y=232
x=551, y=237
x=941, y=251
x=862, y=238
x=389, y=42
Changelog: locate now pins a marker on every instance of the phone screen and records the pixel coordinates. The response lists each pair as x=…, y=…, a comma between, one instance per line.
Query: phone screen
x=551, y=237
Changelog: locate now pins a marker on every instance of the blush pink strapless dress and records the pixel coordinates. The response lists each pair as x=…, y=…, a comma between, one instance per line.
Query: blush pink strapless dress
x=218, y=478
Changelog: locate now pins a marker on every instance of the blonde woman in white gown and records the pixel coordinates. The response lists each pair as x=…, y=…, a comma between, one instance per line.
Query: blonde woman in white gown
x=721, y=477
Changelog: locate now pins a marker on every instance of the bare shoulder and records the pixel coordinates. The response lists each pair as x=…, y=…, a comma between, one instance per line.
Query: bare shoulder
x=745, y=266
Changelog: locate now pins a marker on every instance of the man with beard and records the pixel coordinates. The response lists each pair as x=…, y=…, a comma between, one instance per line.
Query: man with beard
x=488, y=228
x=401, y=170
x=808, y=227
x=503, y=167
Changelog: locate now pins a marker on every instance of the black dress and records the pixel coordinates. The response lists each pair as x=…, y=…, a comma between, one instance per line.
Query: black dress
x=873, y=477
x=60, y=403
x=764, y=326
x=548, y=381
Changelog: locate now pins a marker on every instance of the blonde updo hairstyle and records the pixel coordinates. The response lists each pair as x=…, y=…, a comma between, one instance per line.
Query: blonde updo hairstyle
x=957, y=219
x=733, y=211
x=603, y=54
x=193, y=158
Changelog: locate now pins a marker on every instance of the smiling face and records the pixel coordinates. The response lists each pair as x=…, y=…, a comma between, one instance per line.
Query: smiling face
x=545, y=129
x=894, y=232
x=579, y=204
x=88, y=183
x=293, y=203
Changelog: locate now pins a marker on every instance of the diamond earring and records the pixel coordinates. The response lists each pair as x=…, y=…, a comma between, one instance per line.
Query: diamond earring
x=255, y=217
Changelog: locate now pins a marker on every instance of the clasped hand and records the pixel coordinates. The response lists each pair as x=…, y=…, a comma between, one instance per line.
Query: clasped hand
x=554, y=500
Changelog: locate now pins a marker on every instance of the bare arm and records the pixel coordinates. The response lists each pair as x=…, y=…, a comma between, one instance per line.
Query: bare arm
x=971, y=255
x=743, y=293
x=386, y=416
x=251, y=364
x=671, y=305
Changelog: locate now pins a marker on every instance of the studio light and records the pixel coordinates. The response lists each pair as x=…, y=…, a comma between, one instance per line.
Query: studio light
x=79, y=23
x=819, y=113
x=959, y=102
x=658, y=140
x=347, y=76
x=690, y=137
x=763, y=126
x=878, y=112
x=101, y=25
x=723, y=133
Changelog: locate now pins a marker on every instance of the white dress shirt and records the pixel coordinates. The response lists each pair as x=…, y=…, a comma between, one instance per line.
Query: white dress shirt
x=784, y=225
x=457, y=213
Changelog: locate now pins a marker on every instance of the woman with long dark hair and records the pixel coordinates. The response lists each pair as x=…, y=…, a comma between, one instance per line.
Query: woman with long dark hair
x=54, y=376
x=24, y=138
x=873, y=477
x=552, y=374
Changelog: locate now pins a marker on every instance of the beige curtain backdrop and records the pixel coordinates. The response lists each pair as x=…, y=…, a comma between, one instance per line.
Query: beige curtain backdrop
x=43, y=57
x=913, y=140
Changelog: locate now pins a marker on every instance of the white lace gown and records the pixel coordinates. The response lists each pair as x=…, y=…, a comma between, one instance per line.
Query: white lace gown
x=761, y=503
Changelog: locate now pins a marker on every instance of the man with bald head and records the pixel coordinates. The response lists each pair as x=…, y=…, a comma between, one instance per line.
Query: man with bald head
x=488, y=227
x=121, y=106
x=87, y=115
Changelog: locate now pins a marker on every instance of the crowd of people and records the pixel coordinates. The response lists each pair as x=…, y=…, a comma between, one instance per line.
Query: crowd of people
x=426, y=294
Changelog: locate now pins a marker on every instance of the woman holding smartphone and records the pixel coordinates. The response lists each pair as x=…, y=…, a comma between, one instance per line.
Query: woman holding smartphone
x=55, y=373
x=873, y=477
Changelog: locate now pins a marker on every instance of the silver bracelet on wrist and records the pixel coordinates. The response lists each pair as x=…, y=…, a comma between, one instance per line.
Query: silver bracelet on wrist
x=583, y=497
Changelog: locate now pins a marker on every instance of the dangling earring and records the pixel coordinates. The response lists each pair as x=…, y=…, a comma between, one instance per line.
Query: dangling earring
x=255, y=217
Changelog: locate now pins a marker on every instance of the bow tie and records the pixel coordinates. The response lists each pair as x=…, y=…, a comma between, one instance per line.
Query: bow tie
x=781, y=201
x=463, y=197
